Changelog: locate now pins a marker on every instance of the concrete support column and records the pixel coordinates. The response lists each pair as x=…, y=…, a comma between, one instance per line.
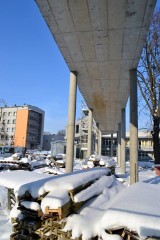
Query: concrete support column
x=133, y=127
x=89, y=147
x=71, y=122
x=119, y=145
x=123, y=142
x=99, y=143
x=97, y=133
x=111, y=144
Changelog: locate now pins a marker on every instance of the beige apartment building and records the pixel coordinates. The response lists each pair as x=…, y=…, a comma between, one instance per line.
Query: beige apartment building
x=145, y=142
x=22, y=126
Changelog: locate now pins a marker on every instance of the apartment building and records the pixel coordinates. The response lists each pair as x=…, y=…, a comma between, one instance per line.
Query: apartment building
x=145, y=145
x=22, y=126
x=81, y=135
x=145, y=142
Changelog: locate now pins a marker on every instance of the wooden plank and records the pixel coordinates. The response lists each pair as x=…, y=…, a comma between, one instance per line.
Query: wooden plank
x=78, y=189
x=62, y=212
x=133, y=235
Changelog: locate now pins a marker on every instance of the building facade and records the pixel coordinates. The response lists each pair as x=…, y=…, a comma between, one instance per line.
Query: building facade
x=81, y=135
x=49, y=138
x=22, y=126
x=145, y=142
x=145, y=145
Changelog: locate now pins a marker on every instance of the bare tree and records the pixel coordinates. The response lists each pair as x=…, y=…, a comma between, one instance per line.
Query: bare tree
x=149, y=79
x=61, y=132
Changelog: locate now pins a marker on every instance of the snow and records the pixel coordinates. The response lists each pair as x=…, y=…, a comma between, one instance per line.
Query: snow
x=5, y=225
x=55, y=199
x=15, y=213
x=137, y=208
x=110, y=204
x=39, y=184
x=86, y=223
x=75, y=179
x=95, y=189
x=14, y=179
x=31, y=205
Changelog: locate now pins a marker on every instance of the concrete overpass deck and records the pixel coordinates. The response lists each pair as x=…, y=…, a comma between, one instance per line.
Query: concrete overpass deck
x=101, y=40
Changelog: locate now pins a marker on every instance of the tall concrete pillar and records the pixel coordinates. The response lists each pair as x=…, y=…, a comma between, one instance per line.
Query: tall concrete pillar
x=123, y=142
x=71, y=122
x=89, y=147
x=99, y=143
x=97, y=133
x=133, y=127
x=119, y=145
x=111, y=144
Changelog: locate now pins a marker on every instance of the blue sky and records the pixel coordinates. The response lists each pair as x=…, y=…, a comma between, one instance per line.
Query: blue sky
x=32, y=70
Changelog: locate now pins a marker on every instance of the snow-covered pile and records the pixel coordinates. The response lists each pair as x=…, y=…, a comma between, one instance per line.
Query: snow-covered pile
x=107, y=161
x=99, y=160
x=110, y=205
x=136, y=208
x=68, y=181
x=29, y=161
x=15, y=179
x=57, y=187
x=86, y=223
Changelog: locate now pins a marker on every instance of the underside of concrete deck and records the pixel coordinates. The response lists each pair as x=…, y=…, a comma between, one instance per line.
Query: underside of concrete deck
x=101, y=40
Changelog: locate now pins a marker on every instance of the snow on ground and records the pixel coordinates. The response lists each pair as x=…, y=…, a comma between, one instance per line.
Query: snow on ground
x=5, y=224
x=95, y=216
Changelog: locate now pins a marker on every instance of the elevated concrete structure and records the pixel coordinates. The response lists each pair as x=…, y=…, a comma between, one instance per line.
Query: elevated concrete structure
x=101, y=40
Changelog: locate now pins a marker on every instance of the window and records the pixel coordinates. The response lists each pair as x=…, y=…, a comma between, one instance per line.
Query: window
x=2, y=137
x=77, y=128
x=106, y=142
x=14, y=121
x=8, y=121
x=8, y=129
x=9, y=113
x=4, y=113
x=12, y=130
x=14, y=113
